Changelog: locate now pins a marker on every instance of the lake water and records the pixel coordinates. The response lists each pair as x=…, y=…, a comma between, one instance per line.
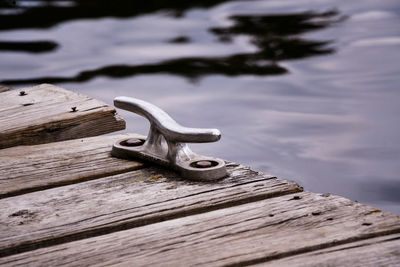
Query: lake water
x=304, y=90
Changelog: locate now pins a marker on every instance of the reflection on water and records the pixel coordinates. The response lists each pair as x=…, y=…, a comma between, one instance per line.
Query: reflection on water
x=30, y=47
x=296, y=89
x=275, y=36
x=47, y=13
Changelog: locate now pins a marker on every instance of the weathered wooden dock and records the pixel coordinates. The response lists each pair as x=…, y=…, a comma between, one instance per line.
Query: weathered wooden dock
x=66, y=201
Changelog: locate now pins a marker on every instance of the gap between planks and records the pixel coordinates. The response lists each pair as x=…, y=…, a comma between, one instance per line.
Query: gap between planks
x=25, y=169
x=246, y=234
x=378, y=251
x=243, y=188
x=124, y=201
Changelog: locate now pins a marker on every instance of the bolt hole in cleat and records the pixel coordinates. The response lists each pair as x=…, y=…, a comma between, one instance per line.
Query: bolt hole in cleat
x=166, y=143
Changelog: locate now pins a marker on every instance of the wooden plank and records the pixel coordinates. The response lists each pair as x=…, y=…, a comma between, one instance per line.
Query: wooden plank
x=380, y=251
x=31, y=168
x=45, y=115
x=4, y=88
x=241, y=235
x=123, y=201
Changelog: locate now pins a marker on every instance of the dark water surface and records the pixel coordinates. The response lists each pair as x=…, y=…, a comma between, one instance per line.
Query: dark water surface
x=304, y=90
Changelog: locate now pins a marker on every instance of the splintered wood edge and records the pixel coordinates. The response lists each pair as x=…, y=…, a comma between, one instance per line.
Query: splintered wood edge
x=125, y=201
x=50, y=122
x=241, y=235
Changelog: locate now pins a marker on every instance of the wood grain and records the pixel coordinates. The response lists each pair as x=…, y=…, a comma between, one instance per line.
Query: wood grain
x=380, y=251
x=4, y=88
x=45, y=115
x=241, y=235
x=31, y=168
x=123, y=201
x=56, y=210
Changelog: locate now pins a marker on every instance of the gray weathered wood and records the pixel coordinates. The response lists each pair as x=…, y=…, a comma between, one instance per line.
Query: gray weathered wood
x=241, y=235
x=31, y=168
x=45, y=115
x=380, y=251
x=123, y=201
x=56, y=210
x=4, y=88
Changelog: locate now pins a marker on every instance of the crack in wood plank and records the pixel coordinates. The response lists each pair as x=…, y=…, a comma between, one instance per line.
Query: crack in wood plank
x=125, y=201
x=377, y=251
x=233, y=236
x=4, y=88
x=25, y=169
x=44, y=115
